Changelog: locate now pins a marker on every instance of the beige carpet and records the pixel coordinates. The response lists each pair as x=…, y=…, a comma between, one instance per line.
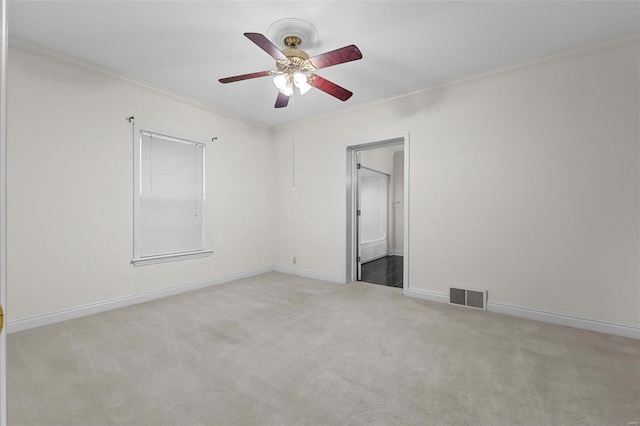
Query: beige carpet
x=283, y=350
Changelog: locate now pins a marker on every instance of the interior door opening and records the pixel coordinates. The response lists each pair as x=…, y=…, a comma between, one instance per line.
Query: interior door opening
x=373, y=211
x=377, y=214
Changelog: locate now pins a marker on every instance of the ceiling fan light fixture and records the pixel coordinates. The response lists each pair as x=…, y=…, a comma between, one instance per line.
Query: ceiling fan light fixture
x=301, y=83
x=304, y=88
x=281, y=81
x=287, y=90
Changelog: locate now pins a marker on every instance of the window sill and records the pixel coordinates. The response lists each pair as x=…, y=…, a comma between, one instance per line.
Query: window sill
x=152, y=260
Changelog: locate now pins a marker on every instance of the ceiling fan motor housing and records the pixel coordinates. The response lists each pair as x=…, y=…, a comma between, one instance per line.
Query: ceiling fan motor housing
x=292, y=51
x=298, y=59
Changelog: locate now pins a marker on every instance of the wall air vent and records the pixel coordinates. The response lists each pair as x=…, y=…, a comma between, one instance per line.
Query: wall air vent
x=469, y=297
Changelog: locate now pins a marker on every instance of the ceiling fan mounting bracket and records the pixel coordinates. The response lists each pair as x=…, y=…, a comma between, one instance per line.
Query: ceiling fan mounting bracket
x=283, y=29
x=292, y=41
x=292, y=52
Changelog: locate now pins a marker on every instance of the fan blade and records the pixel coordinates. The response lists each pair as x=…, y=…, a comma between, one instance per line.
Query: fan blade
x=263, y=43
x=329, y=87
x=245, y=76
x=282, y=100
x=335, y=57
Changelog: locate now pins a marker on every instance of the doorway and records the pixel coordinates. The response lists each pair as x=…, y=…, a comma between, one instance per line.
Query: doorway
x=387, y=271
x=374, y=214
x=377, y=213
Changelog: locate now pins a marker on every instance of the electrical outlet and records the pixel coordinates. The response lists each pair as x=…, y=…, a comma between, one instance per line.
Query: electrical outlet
x=294, y=260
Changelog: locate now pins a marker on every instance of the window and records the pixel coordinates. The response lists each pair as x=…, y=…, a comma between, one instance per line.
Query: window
x=169, y=198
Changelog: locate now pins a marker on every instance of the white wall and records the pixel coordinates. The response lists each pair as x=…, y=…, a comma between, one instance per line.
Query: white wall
x=523, y=182
x=70, y=190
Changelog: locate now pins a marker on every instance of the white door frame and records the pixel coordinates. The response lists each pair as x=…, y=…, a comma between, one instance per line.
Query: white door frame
x=3, y=211
x=351, y=267
x=358, y=218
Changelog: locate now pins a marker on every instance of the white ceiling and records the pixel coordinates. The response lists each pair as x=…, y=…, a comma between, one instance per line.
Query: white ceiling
x=185, y=46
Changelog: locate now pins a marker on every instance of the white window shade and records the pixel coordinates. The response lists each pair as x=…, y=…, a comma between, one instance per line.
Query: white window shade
x=170, y=199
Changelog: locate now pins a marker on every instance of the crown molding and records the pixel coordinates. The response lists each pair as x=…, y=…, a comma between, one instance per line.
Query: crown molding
x=521, y=66
x=566, y=55
x=80, y=64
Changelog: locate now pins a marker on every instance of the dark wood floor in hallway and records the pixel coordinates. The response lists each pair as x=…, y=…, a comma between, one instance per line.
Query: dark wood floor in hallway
x=384, y=271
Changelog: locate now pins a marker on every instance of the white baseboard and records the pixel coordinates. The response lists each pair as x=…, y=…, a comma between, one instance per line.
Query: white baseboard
x=616, y=329
x=608, y=327
x=310, y=274
x=397, y=253
x=94, y=308
x=426, y=295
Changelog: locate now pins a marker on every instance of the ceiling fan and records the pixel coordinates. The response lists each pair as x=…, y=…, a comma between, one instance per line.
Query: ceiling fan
x=296, y=68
